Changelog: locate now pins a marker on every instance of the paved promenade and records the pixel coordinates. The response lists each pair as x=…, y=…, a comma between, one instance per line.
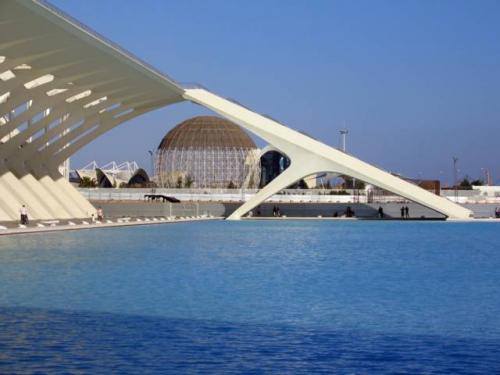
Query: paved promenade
x=79, y=224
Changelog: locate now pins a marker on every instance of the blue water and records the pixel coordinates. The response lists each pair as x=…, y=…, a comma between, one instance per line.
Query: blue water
x=253, y=297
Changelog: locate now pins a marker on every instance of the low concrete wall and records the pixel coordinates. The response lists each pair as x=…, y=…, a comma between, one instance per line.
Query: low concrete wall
x=364, y=210
x=141, y=208
x=392, y=210
x=482, y=210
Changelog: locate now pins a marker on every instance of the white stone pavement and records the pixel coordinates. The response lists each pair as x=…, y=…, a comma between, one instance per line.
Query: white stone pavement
x=41, y=227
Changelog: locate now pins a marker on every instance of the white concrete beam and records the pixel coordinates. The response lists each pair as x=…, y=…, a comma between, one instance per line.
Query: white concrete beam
x=310, y=156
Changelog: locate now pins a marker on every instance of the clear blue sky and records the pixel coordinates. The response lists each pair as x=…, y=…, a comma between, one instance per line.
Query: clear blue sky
x=416, y=82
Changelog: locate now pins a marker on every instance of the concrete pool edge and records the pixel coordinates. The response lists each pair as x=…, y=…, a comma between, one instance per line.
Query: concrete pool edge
x=301, y=218
x=89, y=226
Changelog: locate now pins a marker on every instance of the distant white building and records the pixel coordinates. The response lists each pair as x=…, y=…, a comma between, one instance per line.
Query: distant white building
x=113, y=174
x=488, y=191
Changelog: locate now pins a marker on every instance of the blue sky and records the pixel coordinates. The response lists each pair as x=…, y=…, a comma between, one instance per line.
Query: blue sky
x=415, y=82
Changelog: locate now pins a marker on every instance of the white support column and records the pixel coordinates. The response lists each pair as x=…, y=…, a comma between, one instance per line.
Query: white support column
x=9, y=205
x=298, y=169
x=60, y=195
x=20, y=195
x=44, y=197
x=76, y=199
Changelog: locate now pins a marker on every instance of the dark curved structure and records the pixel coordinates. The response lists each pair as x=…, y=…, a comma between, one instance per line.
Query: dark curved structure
x=139, y=178
x=272, y=164
x=102, y=179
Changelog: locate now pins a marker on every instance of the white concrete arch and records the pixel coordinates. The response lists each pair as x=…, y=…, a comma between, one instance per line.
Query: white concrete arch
x=309, y=156
x=62, y=86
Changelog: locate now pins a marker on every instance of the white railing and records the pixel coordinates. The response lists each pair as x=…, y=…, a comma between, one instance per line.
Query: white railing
x=285, y=196
x=475, y=200
x=187, y=195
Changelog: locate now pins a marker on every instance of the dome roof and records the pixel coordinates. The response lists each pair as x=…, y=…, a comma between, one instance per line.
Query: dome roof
x=207, y=132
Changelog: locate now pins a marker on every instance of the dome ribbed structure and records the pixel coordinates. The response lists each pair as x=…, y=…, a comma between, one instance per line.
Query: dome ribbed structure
x=207, y=152
x=206, y=131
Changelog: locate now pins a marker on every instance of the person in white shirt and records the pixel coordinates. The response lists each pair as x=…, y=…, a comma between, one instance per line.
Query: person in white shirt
x=100, y=214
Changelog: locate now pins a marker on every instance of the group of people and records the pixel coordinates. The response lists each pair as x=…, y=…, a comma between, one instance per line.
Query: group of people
x=405, y=212
x=23, y=211
x=100, y=214
x=276, y=211
x=349, y=212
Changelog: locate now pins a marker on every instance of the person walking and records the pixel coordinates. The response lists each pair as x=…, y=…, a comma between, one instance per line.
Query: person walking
x=24, y=215
x=402, y=212
x=407, y=212
x=380, y=212
x=100, y=214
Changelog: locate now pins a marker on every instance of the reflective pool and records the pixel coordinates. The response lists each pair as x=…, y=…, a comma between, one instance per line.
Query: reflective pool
x=261, y=296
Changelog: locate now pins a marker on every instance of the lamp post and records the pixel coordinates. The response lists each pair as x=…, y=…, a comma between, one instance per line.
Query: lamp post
x=440, y=181
x=487, y=175
x=455, y=177
x=343, y=134
x=150, y=152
